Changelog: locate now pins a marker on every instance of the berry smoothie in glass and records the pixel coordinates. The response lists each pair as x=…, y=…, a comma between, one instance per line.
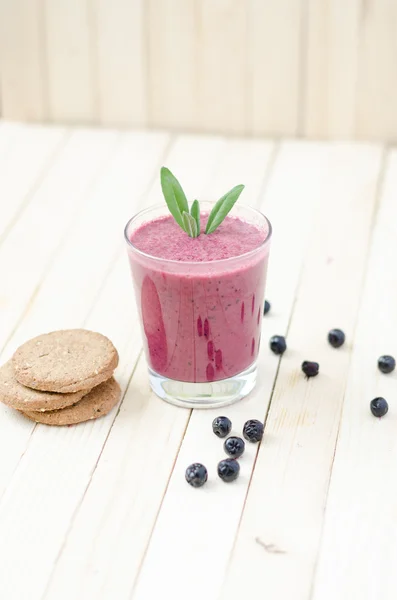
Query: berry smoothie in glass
x=199, y=275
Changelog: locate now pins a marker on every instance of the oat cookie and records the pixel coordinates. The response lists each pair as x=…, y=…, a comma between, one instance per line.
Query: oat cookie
x=96, y=404
x=18, y=396
x=65, y=361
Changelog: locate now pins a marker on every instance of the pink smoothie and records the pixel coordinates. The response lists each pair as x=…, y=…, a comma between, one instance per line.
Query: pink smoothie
x=201, y=313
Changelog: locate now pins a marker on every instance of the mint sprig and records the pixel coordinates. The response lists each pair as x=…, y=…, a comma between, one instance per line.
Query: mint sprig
x=178, y=206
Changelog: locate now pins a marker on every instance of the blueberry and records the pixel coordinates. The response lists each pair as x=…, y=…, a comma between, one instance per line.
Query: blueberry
x=379, y=407
x=196, y=475
x=253, y=430
x=234, y=446
x=278, y=344
x=228, y=469
x=386, y=364
x=336, y=338
x=267, y=307
x=221, y=426
x=310, y=368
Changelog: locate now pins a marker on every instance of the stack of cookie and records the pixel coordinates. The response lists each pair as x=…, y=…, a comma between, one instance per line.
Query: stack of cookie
x=62, y=378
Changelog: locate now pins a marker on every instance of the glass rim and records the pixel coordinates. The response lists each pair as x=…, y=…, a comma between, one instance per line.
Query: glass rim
x=196, y=262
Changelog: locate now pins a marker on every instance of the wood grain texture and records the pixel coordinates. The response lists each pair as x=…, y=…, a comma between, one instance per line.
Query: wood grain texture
x=332, y=54
x=121, y=61
x=359, y=549
x=222, y=37
x=23, y=76
x=310, y=68
x=70, y=55
x=281, y=524
x=29, y=249
x=275, y=66
x=171, y=27
x=8, y=132
x=376, y=116
x=26, y=155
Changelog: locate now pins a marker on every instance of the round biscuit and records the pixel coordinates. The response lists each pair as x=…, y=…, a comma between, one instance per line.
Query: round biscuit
x=97, y=403
x=64, y=361
x=18, y=396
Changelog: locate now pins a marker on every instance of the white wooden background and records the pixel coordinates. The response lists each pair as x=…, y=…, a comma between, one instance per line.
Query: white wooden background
x=101, y=511
x=311, y=68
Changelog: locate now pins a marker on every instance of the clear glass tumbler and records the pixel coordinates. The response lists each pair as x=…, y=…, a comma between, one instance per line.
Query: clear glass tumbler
x=201, y=321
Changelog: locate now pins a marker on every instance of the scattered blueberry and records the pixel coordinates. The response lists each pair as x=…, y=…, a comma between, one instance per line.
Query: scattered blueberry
x=234, y=446
x=253, y=430
x=336, y=338
x=196, y=475
x=386, y=364
x=379, y=407
x=310, y=368
x=267, y=307
x=221, y=426
x=278, y=344
x=228, y=469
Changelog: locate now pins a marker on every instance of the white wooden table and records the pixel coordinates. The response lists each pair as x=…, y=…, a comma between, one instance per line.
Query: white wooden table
x=101, y=511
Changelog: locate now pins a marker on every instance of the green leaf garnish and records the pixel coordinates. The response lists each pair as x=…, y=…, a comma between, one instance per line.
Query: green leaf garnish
x=222, y=208
x=190, y=224
x=174, y=195
x=195, y=212
x=178, y=206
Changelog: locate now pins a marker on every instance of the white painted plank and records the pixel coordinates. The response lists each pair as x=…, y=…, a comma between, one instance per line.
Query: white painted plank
x=71, y=61
x=222, y=72
x=120, y=35
x=129, y=482
x=211, y=516
x=22, y=61
x=332, y=52
x=171, y=68
x=82, y=265
x=31, y=245
x=376, y=82
x=281, y=525
x=7, y=133
x=274, y=39
x=359, y=547
x=26, y=153
x=244, y=161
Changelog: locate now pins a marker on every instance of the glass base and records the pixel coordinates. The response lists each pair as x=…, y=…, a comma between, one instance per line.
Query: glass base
x=204, y=395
